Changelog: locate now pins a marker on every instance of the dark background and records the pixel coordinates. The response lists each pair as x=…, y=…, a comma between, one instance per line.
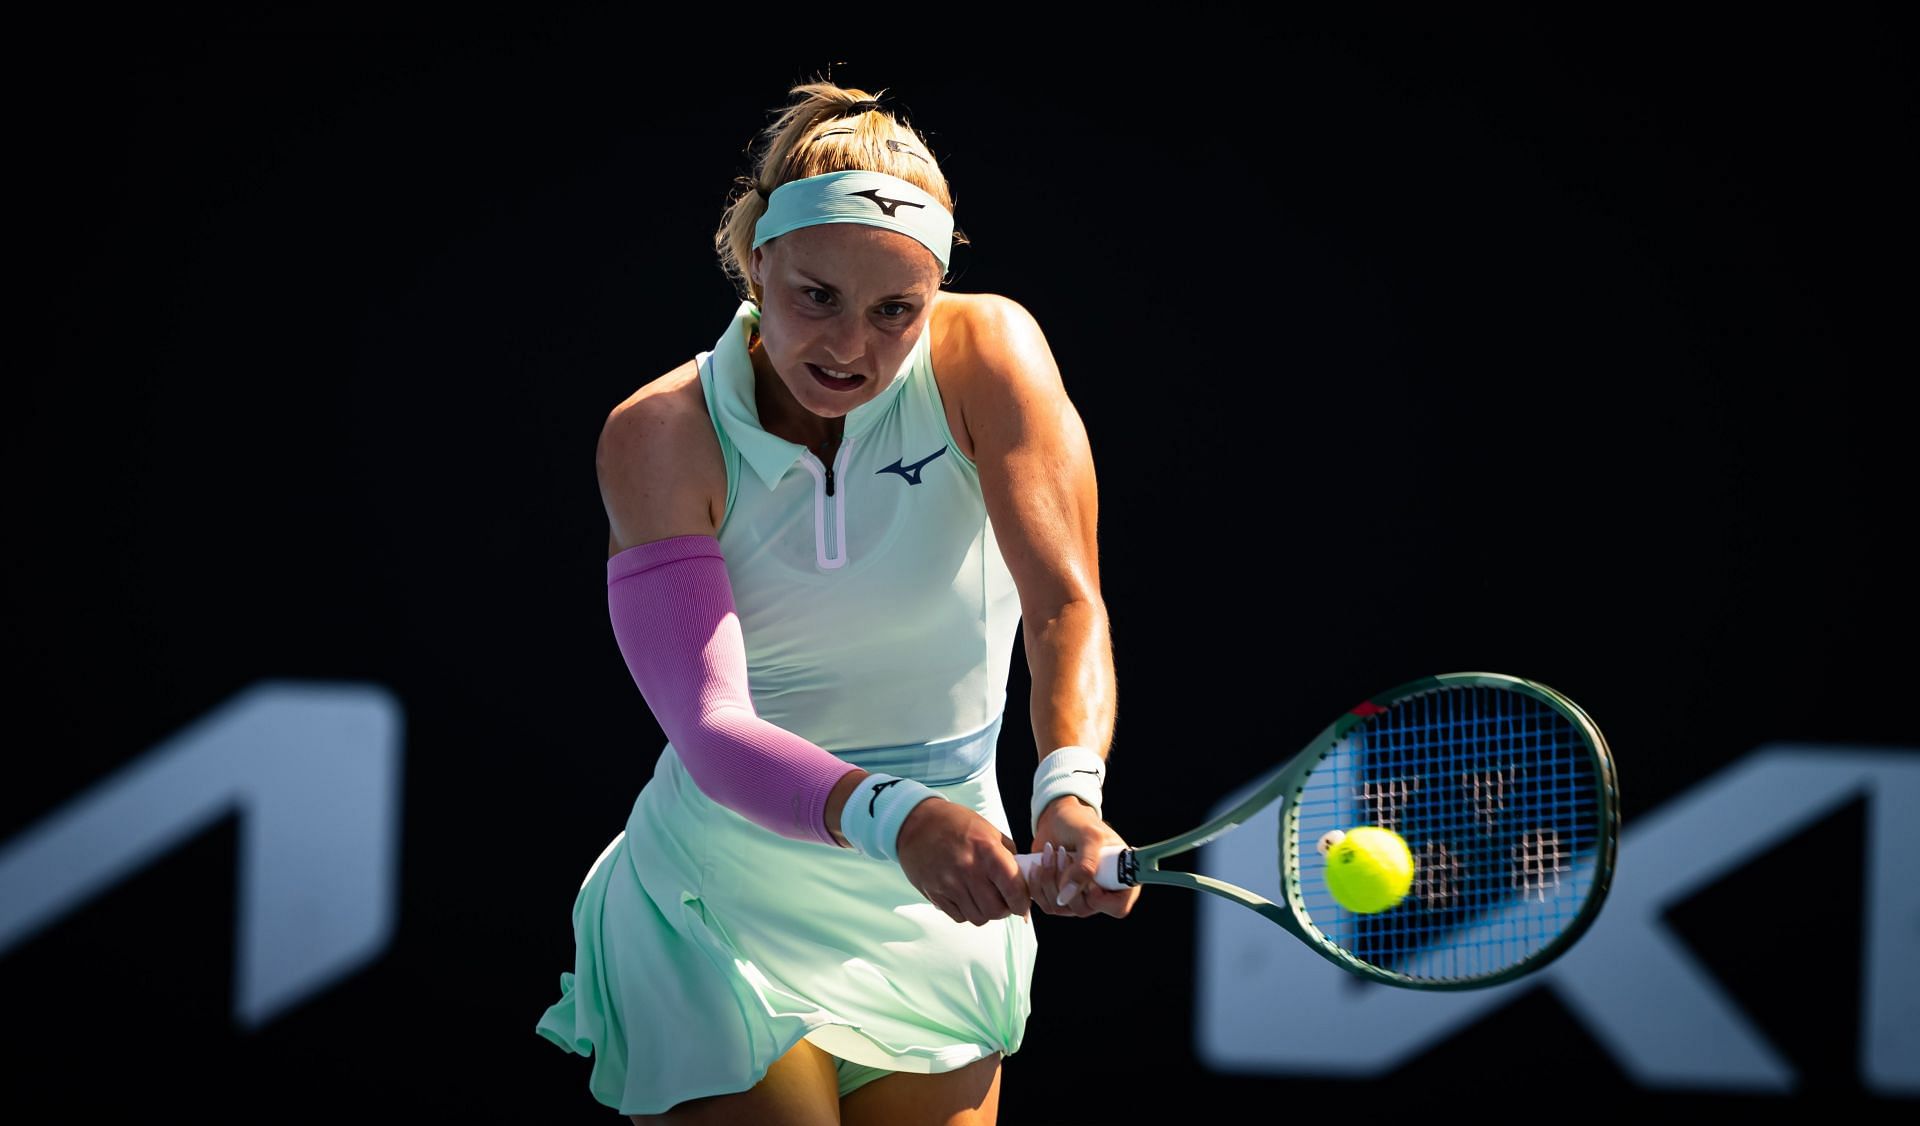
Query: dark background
x=1574, y=351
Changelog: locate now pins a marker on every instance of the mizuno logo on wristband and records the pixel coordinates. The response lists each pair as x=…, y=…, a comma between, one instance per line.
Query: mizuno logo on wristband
x=876, y=794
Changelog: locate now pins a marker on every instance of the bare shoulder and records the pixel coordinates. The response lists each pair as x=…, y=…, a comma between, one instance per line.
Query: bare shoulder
x=659, y=464
x=677, y=392
x=991, y=357
x=992, y=337
x=972, y=316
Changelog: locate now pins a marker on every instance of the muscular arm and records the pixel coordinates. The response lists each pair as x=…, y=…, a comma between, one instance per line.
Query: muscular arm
x=1036, y=473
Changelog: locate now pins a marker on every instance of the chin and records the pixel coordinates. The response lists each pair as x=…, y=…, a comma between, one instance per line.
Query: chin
x=835, y=409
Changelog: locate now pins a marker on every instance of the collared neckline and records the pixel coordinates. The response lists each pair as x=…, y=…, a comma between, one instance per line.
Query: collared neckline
x=772, y=456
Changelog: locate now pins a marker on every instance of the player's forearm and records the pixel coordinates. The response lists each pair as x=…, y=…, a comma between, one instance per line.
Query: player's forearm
x=1070, y=657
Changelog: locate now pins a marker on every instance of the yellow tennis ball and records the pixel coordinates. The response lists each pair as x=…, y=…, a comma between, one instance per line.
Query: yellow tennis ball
x=1369, y=870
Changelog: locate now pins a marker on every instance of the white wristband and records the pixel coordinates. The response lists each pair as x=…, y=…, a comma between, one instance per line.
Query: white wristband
x=1079, y=771
x=876, y=809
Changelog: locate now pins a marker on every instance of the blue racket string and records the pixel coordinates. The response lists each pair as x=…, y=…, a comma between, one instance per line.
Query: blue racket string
x=1495, y=793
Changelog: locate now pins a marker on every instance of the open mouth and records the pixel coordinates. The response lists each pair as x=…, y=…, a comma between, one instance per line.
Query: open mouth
x=835, y=382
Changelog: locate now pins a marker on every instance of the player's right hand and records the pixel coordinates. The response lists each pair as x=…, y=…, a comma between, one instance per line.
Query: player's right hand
x=961, y=862
x=1070, y=835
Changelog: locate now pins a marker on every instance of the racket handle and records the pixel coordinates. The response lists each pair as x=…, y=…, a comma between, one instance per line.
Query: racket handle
x=1108, y=875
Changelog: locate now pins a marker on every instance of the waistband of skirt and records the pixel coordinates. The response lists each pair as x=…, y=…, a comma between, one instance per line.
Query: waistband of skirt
x=944, y=762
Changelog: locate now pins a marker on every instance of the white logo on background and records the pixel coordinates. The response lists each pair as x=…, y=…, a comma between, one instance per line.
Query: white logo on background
x=312, y=770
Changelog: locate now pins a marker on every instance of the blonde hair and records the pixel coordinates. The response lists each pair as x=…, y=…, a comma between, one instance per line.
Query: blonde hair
x=821, y=131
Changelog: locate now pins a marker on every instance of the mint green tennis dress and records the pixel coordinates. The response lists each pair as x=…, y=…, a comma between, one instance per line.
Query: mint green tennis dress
x=879, y=620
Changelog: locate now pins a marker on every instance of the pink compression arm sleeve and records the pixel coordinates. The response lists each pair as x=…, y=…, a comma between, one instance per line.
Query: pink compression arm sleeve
x=673, y=615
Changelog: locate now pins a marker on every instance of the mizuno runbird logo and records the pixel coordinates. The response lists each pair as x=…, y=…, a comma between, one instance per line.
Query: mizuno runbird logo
x=911, y=472
x=877, y=787
x=885, y=204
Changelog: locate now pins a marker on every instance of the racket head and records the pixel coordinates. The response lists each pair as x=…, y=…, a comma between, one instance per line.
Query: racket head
x=1505, y=793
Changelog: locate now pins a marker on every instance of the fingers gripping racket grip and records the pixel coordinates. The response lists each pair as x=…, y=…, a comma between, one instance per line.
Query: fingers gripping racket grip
x=1117, y=867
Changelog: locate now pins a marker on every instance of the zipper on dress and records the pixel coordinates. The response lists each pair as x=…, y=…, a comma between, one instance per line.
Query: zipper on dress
x=825, y=513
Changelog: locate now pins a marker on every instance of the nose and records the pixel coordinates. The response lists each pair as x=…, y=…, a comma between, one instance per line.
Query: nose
x=846, y=341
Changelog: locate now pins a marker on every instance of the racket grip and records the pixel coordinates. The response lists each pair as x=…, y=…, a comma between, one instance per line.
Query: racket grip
x=1108, y=875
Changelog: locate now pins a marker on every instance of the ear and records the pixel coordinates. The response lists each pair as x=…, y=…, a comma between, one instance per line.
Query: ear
x=754, y=266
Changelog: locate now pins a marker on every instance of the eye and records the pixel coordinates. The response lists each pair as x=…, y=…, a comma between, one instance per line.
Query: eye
x=904, y=309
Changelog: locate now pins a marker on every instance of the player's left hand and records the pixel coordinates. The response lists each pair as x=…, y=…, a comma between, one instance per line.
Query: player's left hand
x=1074, y=834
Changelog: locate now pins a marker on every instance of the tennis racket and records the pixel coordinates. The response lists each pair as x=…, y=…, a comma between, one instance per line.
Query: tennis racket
x=1504, y=791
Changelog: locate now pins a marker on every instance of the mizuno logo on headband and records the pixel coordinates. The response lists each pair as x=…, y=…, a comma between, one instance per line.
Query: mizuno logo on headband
x=844, y=197
x=885, y=204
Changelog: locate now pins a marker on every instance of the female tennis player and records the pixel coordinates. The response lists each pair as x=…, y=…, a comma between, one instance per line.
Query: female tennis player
x=824, y=531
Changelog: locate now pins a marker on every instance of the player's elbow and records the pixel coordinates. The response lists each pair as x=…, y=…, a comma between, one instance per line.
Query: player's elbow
x=1068, y=606
x=709, y=740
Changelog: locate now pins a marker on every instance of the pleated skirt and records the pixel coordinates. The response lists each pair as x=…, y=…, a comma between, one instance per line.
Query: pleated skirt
x=706, y=946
